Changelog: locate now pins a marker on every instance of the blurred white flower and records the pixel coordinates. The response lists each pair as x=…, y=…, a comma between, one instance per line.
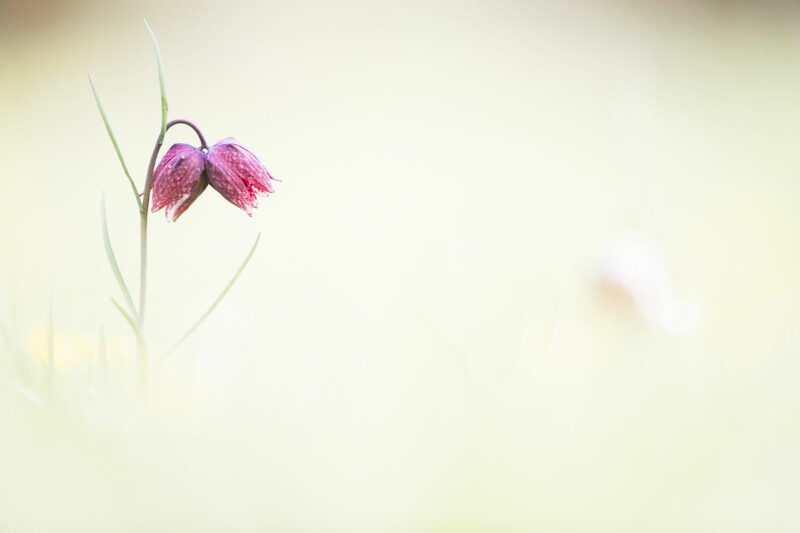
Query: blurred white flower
x=635, y=266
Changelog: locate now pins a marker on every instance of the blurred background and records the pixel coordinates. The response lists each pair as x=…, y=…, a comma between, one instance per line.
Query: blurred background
x=533, y=266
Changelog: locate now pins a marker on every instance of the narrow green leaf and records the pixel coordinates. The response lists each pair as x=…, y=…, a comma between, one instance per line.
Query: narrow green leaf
x=116, y=146
x=128, y=318
x=112, y=260
x=210, y=309
x=131, y=322
x=160, y=82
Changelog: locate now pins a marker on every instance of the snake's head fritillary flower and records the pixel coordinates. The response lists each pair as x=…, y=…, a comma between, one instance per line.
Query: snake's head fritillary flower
x=237, y=174
x=178, y=179
x=185, y=171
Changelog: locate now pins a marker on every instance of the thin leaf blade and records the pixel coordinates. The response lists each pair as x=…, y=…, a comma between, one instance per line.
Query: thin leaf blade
x=131, y=322
x=128, y=318
x=116, y=145
x=112, y=261
x=211, y=308
x=161, y=84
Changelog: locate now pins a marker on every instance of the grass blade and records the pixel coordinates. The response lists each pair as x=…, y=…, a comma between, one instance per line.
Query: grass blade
x=128, y=318
x=116, y=146
x=160, y=83
x=210, y=309
x=112, y=260
x=132, y=323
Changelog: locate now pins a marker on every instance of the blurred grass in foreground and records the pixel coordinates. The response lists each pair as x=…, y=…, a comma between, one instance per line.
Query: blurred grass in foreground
x=440, y=331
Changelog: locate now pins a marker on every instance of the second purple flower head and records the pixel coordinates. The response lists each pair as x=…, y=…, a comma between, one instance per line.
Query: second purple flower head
x=232, y=170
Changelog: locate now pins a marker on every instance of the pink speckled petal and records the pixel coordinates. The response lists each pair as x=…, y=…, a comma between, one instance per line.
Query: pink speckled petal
x=172, y=153
x=256, y=171
x=244, y=165
x=178, y=179
x=176, y=209
x=230, y=171
x=230, y=187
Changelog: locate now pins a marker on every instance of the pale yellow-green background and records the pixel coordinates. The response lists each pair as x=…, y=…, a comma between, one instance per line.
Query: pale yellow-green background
x=420, y=342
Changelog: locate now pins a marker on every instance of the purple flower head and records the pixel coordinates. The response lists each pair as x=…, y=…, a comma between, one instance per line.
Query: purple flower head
x=185, y=171
x=237, y=174
x=178, y=179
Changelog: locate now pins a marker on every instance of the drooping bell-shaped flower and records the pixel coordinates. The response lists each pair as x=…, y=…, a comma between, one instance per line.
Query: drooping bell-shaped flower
x=185, y=171
x=237, y=174
x=178, y=179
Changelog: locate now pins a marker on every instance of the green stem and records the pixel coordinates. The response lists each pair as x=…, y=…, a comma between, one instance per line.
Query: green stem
x=141, y=349
x=148, y=187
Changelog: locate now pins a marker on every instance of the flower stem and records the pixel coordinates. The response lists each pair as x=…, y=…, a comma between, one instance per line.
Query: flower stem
x=141, y=348
x=148, y=186
x=203, y=144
